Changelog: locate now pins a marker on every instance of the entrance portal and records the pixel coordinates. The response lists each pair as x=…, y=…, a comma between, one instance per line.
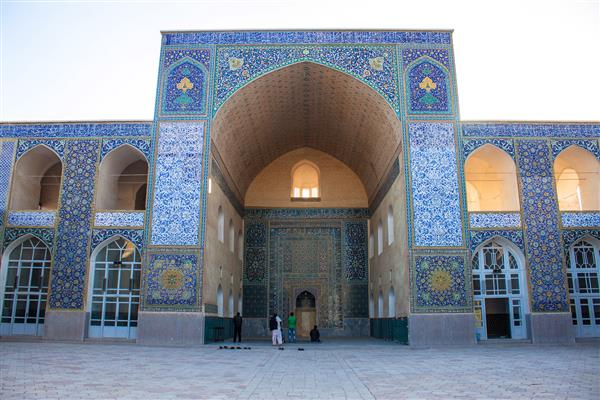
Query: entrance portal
x=306, y=313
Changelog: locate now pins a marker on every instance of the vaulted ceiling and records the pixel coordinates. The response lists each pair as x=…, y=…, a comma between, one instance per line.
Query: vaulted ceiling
x=306, y=104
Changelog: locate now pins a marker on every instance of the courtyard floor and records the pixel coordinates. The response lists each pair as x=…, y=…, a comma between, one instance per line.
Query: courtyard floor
x=341, y=369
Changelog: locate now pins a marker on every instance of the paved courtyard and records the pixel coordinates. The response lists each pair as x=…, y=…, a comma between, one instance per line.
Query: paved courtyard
x=367, y=369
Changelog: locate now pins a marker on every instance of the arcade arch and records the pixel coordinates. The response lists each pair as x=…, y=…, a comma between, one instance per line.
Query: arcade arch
x=122, y=180
x=577, y=175
x=36, y=180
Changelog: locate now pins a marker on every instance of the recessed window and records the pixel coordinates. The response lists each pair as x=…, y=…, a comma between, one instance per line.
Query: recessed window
x=379, y=237
x=305, y=182
x=577, y=174
x=221, y=225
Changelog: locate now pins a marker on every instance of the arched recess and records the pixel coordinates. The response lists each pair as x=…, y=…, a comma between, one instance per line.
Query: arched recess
x=122, y=180
x=380, y=305
x=500, y=294
x=371, y=306
x=491, y=180
x=428, y=86
x=240, y=245
x=221, y=225
x=220, y=305
x=390, y=224
x=305, y=181
x=305, y=105
x=379, y=237
x=186, y=88
x=114, y=288
x=230, y=304
x=240, y=305
x=391, y=303
x=231, y=236
x=36, y=180
x=577, y=175
x=24, y=280
x=583, y=276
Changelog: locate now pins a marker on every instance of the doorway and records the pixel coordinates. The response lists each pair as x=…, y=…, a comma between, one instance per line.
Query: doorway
x=306, y=313
x=497, y=318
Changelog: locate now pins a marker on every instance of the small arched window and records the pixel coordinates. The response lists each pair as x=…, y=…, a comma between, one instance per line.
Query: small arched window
x=392, y=303
x=371, y=306
x=577, y=174
x=390, y=225
x=240, y=245
x=221, y=225
x=36, y=182
x=380, y=305
x=231, y=237
x=491, y=180
x=305, y=181
x=220, y=304
x=122, y=180
x=379, y=237
x=230, y=306
x=371, y=244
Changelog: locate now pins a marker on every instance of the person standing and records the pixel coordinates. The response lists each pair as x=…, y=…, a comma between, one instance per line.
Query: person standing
x=275, y=327
x=237, y=328
x=292, y=328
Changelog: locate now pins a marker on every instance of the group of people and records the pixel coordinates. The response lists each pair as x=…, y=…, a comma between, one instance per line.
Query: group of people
x=276, y=328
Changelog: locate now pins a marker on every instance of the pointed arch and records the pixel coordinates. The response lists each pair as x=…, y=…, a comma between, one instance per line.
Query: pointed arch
x=491, y=180
x=428, y=87
x=123, y=171
x=306, y=180
x=37, y=178
x=185, y=88
x=390, y=225
x=391, y=303
x=220, y=305
x=577, y=176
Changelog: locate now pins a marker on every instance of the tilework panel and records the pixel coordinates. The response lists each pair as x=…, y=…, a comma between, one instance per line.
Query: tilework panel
x=46, y=235
x=302, y=37
x=73, y=229
x=540, y=213
x=434, y=182
x=580, y=219
x=590, y=145
x=31, y=218
x=135, y=236
x=142, y=145
x=6, y=165
x=320, y=213
x=133, y=219
x=186, y=81
x=255, y=300
x=478, y=237
x=573, y=235
x=495, y=220
x=473, y=144
x=178, y=182
x=439, y=55
x=374, y=65
x=441, y=283
x=57, y=145
x=499, y=129
x=355, y=253
x=428, y=88
x=356, y=301
x=171, y=282
x=90, y=129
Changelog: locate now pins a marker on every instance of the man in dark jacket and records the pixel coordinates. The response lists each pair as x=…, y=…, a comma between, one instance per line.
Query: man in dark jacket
x=315, y=335
x=237, y=328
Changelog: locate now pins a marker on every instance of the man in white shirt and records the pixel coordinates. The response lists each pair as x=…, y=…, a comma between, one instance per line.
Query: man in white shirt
x=275, y=327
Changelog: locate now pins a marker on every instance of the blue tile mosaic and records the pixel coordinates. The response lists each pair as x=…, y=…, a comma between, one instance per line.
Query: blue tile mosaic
x=355, y=252
x=74, y=222
x=440, y=284
x=434, y=181
x=540, y=213
x=590, y=145
x=143, y=145
x=130, y=219
x=479, y=237
x=428, y=88
x=69, y=130
x=499, y=129
x=495, y=220
x=580, y=219
x=321, y=213
x=171, y=281
x=185, y=84
x=135, y=236
x=57, y=145
x=306, y=37
x=7, y=150
x=31, y=218
x=46, y=235
x=439, y=55
x=471, y=145
x=373, y=65
x=176, y=214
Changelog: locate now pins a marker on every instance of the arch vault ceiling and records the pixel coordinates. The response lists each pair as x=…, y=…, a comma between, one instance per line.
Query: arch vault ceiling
x=306, y=104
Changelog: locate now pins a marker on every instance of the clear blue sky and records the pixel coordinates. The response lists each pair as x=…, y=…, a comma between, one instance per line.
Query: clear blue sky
x=98, y=60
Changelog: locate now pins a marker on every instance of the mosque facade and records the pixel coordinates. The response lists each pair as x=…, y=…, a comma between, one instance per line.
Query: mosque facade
x=326, y=173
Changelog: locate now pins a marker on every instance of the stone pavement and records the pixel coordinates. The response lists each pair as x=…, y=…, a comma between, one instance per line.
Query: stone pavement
x=344, y=369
